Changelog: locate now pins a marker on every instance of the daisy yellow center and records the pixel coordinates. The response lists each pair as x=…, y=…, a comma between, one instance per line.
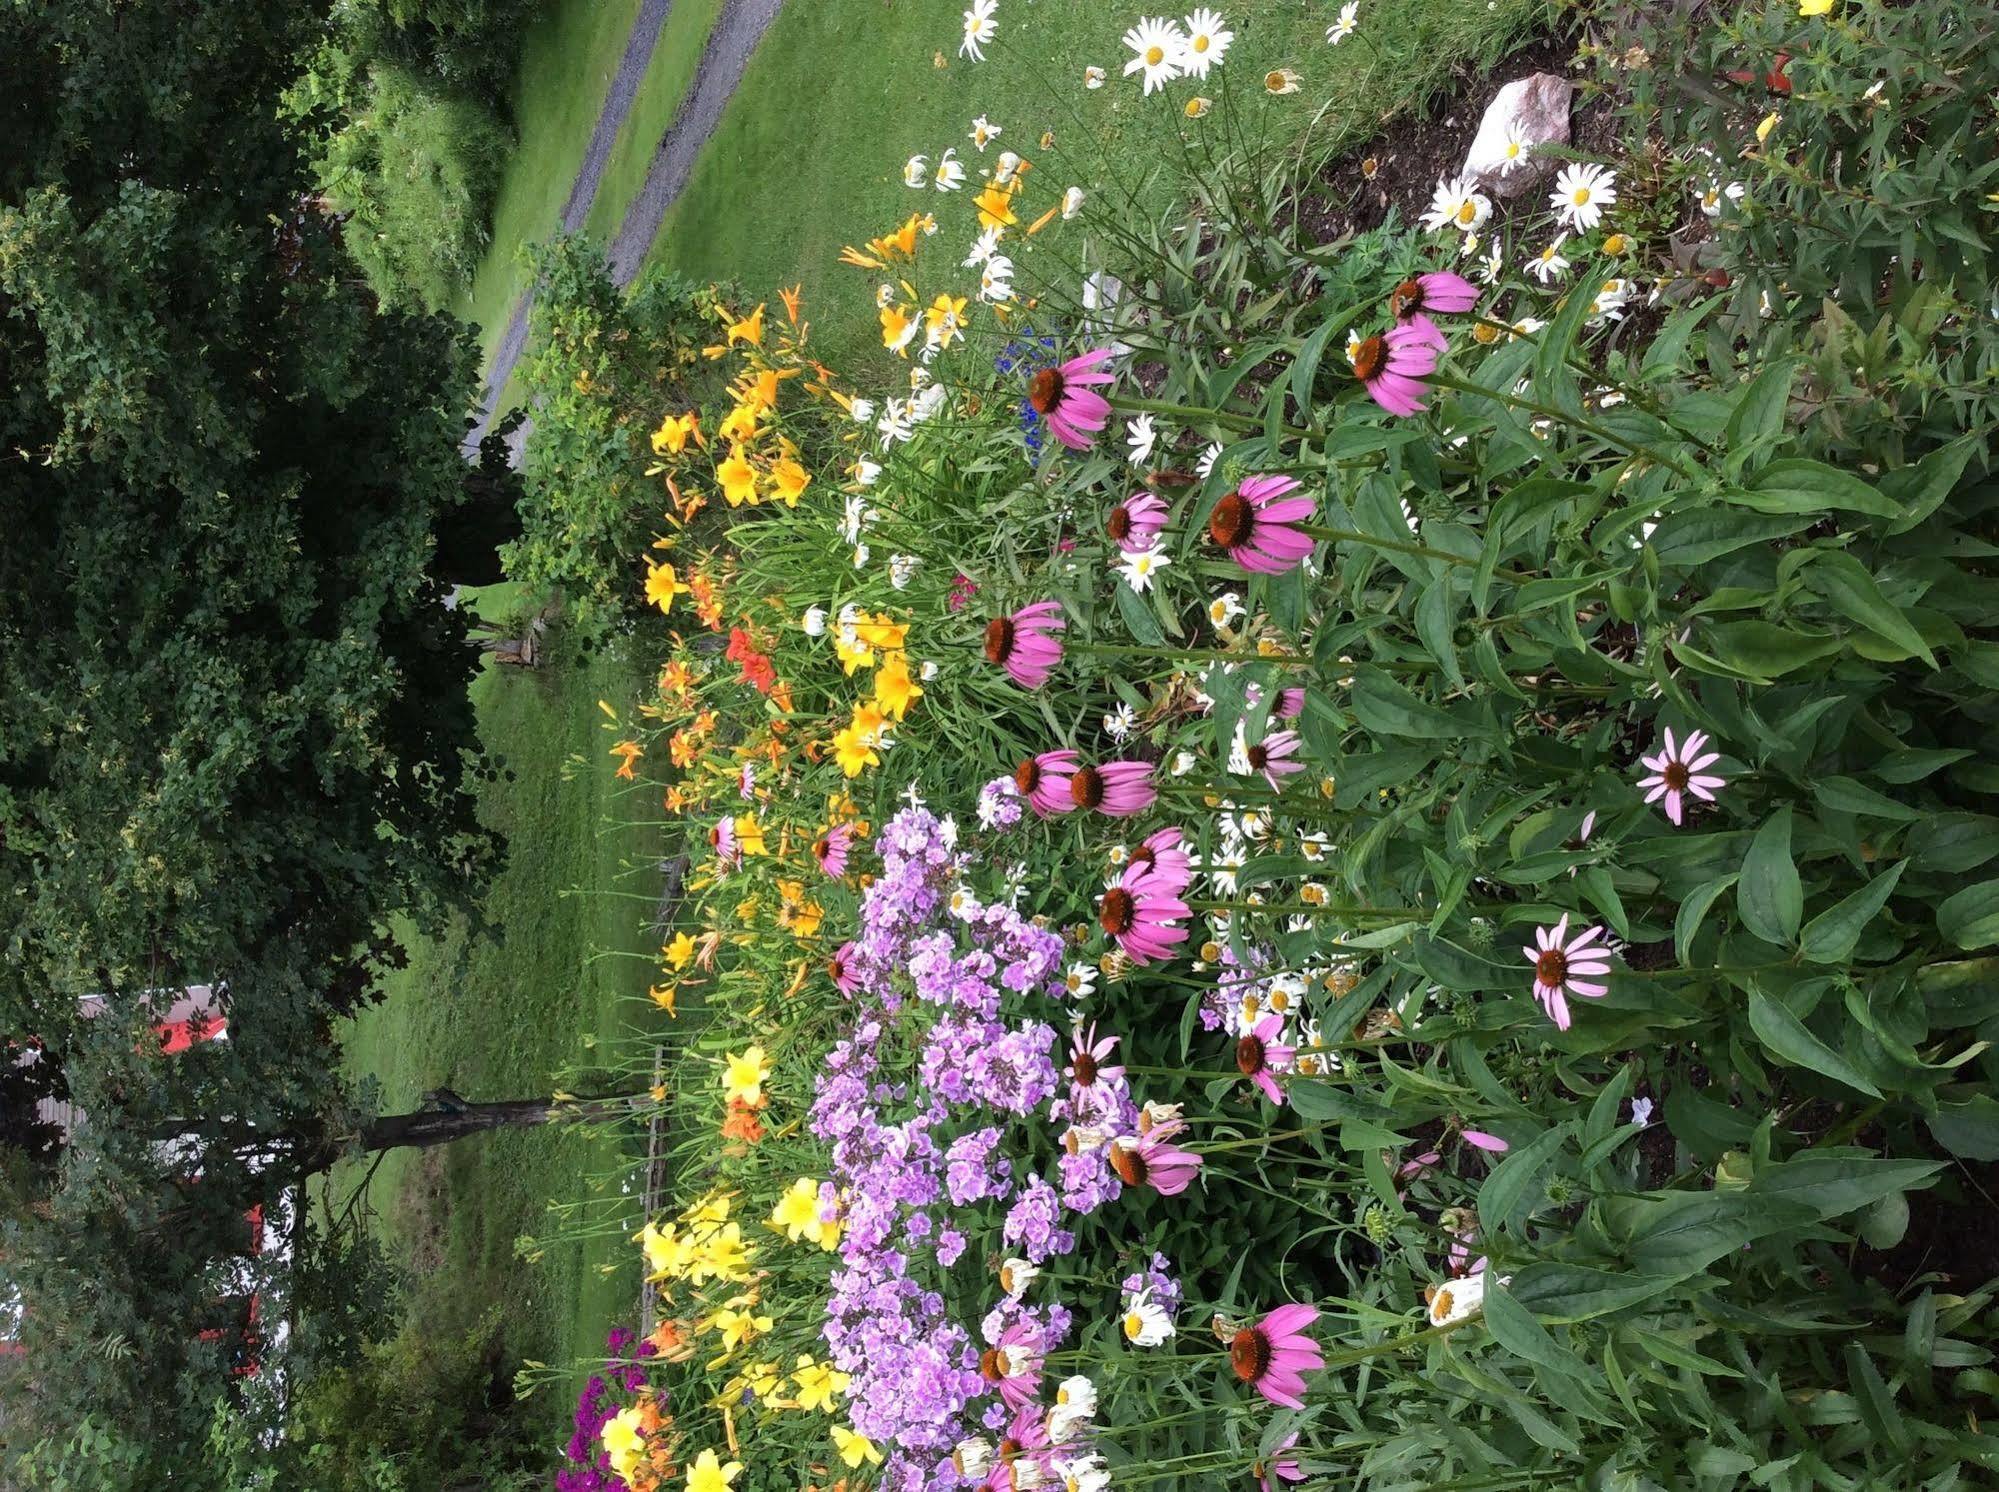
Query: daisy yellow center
x=1154, y=55
x=1580, y=196
x=1512, y=149
x=1249, y=1355
x=1118, y=912
x=1552, y=967
x=1134, y=1325
x=1441, y=1306
x=1467, y=213
x=1200, y=44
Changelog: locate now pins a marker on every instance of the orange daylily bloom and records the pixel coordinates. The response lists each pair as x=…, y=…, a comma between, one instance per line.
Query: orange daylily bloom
x=791, y=298
x=630, y=751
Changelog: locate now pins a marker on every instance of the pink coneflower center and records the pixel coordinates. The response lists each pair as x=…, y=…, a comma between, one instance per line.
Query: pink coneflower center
x=1118, y=912
x=1027, y=776
x=1404, y=298
x=993, y=1365
x=1118, y=525
x=1129, y=1165
x=999, y=639
x=1249, y=1355
x=1249, y=1055
x=1259, y=757
x=1087, y=787
x=1086, y=1069
x=1230, y=523
x=1145, y=855
x=1552, y=967
x=1676, y=775
x=1369, y=357
x=1008, y=1451
x=837, y=967
x=1044, y=390
x=821, y=848
x=715, y=837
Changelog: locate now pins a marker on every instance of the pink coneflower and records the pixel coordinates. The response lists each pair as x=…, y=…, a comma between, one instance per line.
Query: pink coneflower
x=1274, y=1355
x=1257, y=525
x=1277, y=1468
x=1558, y=960
x=746, y=781
x=1276, y=757
x=1678, y=770
x=1136, y=522
x=1013, y=1364
x=1065, y=397
x=830, y=849
x=1394, y=364
x=1260, y=1058
x=1484, y=1141
x=1086, y=1058
x=1025, y=644
x=1044, y=781
x=1141, y=912
x=1290, y=704
x=1152, y=1159
x=841, y=967
x=1439, y=291
x=1119, y=789
x=1171, y=866
x=722, y=840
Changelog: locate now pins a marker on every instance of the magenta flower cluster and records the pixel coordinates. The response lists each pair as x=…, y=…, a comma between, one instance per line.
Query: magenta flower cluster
x=588, y=1467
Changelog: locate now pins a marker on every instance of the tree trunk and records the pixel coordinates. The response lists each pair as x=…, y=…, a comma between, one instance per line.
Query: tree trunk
x=440, y=1126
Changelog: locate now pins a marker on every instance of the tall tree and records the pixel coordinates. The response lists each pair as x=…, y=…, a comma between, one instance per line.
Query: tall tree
x=234, y=728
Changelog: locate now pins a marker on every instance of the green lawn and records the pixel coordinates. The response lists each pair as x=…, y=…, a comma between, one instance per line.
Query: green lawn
x=567, y=59
x=668, y=77
x=502, y=1011
x=809, y=155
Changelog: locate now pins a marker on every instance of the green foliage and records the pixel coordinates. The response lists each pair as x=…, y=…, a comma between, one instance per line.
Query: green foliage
x=606, y=367
x=415, y=172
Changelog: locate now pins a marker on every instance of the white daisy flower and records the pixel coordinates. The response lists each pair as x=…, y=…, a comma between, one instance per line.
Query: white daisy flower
x=1183, y=763
x=813, y=622
x=1006, y=167
x=1158, y=47
x=983, y=248
x=1139, y=436
x=1079, y=981
x=867, y=472
x=1225, y=608
x=1342, y=28
x=1204, y=468
x=996, y=280
x=1457, y=204
x=1491, y=264
x=1549, y=265
x=902, y=569
x=984, y=132
x=979, y=29
x=1093, y=77
x=1582, y=191
x=861, y=411
x=1145, y=1322
x=1611, y=299
x=1140, y=568
x=950, y=172
x=1715, y=196
x=1207, y=43
x=1121, y=722
x=916, y=171
x=1514, y=150
x=1072, y=203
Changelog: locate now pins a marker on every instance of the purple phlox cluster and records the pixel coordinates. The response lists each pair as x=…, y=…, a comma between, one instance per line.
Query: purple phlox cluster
x=589, y=1465
x=974, y=1169
x=1158, y=1278
x=999, y=804
x=1033, y=1223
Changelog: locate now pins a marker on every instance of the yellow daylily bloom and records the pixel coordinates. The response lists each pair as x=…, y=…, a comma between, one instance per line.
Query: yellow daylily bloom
x=819, y=1384
x=853, y=752
x=995, y=206
x=680, y=952
x=855, y=1447
x=750, y=329
x=789, y=480
x=738, y=479
x=743, y=1078
x=708, y=1474
x=624, y=1441
x=671, y=438
x=895, y=688
x=662, y=585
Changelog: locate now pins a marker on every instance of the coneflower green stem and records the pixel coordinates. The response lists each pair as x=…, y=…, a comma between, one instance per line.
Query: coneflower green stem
x=1218, y=655
x=1325, y=909
x=1590, y=427
x=1403, y=546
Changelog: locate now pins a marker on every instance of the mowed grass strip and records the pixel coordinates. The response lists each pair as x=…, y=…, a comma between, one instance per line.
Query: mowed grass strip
x=568, y=58
x=499, y=1011
x=810, y=153
x=668, y=78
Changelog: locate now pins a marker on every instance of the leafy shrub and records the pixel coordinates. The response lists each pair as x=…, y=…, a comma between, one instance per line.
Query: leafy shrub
x=606, y=366
x=415, y=171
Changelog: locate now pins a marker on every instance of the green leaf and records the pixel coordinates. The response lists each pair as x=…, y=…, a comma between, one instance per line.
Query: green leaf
x=1769, y=895
x=1830, y=1186
x=1766, y=650
x=1385, y=707
x=1515, y=1329
x=1850, y=589
x=1138, y=616
x=1969, y=1129
x=1688, y=539
x=1970, y=919
x=1849, y=796
x=1505, y=1190
x=1573, y=1292
x=1795, y=485
x=1693, y=910
x=1829, y=938
x=1759, y=415
x=1787, y=1036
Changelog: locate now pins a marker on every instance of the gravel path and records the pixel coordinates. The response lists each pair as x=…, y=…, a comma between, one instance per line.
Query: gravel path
x=738, y=29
